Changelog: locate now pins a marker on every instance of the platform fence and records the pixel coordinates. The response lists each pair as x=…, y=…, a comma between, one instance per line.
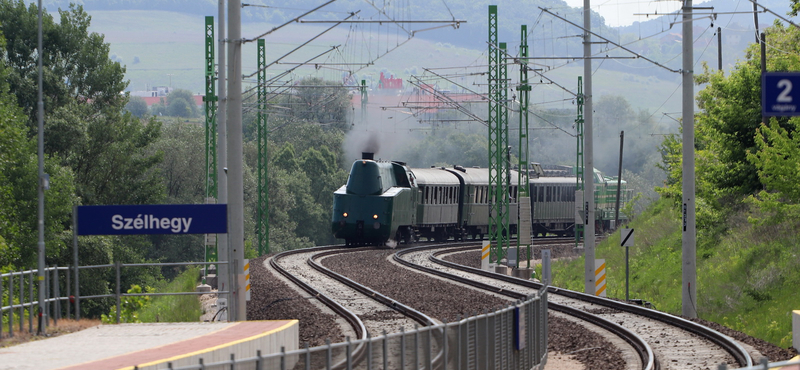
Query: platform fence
x=19, y=292
x=514, y=337
x=764, y=364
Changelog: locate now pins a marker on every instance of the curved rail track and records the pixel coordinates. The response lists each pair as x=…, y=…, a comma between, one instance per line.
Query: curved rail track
x=360, y=353
x=561, y=298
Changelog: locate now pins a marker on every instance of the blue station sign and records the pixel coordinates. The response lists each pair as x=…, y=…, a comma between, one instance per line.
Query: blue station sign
x=780, y=94
x=153, y=219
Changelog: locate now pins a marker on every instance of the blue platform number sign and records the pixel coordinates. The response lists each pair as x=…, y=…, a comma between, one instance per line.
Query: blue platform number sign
x=780, y=94
x=153, y=219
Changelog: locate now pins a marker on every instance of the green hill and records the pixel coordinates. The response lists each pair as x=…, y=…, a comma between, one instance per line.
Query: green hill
x=746, y=275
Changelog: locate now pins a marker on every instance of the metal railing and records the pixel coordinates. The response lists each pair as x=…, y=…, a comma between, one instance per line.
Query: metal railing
x=19, y=294
x=514, y=337
x=764, y=364
x=118, y=287
x=16, y=286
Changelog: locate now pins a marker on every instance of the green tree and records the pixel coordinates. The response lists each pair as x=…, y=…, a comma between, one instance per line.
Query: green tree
x=18, y=199
x=137, y=106
x=86, y=127
x=76, y=63
x=327, y=104
x=180, y=103
x=731, y=113
x=777, y=157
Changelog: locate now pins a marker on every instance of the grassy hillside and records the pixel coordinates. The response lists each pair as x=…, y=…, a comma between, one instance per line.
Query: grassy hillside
x=747, y=276
x=161, y=47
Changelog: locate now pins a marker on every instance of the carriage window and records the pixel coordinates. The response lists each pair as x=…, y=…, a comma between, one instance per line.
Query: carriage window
x=426, y=195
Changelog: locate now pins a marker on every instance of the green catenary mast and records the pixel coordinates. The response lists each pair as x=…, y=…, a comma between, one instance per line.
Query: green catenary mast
x=262, y=221
x=498, y=145
x=210, y=101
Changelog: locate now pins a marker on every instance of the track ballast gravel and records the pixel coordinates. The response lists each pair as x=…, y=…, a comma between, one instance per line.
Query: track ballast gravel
x=272, y=299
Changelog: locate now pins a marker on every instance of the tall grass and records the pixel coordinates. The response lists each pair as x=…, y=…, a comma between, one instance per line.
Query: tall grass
x=175, y=308
x=747, y=274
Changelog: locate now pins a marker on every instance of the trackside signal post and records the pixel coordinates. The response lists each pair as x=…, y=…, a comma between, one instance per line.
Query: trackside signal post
x=579, y=198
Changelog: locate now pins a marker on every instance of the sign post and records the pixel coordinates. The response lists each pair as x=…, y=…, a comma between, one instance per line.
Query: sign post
x=174, y=219
x=626, y=240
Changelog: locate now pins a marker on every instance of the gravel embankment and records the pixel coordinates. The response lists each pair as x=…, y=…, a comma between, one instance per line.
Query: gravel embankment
x=272, y=299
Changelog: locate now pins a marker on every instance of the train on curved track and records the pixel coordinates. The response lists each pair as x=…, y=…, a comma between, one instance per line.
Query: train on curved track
x=385, y=201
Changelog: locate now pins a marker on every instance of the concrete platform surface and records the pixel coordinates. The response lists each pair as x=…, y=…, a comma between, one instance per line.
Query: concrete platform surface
x=146, y=345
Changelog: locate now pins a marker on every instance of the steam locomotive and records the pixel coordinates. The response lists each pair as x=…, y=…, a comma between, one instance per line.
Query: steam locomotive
x=390, y=202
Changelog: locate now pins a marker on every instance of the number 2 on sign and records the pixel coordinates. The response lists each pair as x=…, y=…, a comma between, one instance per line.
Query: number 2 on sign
x=784, y=96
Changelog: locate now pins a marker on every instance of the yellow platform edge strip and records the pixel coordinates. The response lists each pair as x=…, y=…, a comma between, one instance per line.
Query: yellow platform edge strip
x=198, y=352
x=141, y=350
x=796, y=358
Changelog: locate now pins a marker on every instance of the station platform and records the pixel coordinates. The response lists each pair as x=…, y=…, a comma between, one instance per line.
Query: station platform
x=152, y=346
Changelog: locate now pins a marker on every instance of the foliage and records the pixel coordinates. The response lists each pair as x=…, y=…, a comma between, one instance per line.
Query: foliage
x=175, y=308
x=137, y=106
x=180, y=103
x=76, y=64
x=18, y=209
x=732, y=114
x=777, y=157
x=129, y=307
x=447, y=149
x=746, y=271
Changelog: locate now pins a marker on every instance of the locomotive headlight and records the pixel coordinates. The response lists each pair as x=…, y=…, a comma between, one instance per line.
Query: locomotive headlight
x=344, y=215
x=375, y=217
x=376, y=225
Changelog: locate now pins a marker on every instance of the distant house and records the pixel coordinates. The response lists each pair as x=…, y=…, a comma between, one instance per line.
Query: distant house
x=153, y=92
x=150, y=100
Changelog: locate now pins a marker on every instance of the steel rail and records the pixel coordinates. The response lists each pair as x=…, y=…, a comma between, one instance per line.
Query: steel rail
x=418, y=316
x=360, y=351
x=727, y=343
x=645, y=352
x=643, y=349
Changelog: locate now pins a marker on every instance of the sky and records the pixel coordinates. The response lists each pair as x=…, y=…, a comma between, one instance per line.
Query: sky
x=621, y=12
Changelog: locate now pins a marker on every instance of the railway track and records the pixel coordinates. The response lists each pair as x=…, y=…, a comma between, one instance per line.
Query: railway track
x=366, y=311
x=675, y=343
